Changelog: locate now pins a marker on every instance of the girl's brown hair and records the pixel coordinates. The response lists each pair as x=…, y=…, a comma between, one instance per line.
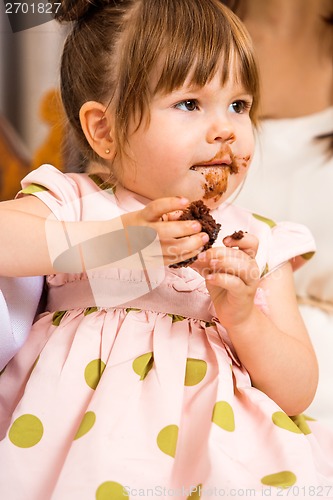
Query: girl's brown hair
x=114, y=47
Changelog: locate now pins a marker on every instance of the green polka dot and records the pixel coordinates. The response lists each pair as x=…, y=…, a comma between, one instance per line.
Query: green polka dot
x=104, y=185
x=269, y=222
x=93, y=372
x=111, y=490
x=223, y=416
x=176, y=317
x=265, y=271
x=308, y=418
x=57, y=317
x=26, y=431
x=283, y=479
x=33, y=188
x=90, y=310
x=86, y=424
x=195, y=371
x=195, y=493
x=143, y=364
x=35, y=363
x=308, y=255
x=167, y=440
x=300, y=421
x=282, y=420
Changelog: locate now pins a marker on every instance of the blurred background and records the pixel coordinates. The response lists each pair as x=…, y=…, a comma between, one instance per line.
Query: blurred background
x=29, y=111
x=29, y=62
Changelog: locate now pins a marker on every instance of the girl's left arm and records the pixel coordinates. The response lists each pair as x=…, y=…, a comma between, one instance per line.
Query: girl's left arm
x=275, y=347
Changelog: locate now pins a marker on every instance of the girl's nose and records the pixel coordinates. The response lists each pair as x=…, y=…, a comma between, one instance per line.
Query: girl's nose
x=221, y=130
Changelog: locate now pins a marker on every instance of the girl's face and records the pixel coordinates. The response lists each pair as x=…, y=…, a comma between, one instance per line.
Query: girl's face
x=197, y=144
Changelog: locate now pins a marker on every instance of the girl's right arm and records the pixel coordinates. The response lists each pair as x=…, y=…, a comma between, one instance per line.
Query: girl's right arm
x=24, y=249
x=31, y=238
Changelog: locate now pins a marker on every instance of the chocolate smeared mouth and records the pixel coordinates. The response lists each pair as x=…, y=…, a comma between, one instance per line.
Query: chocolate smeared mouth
x=224, y=158
x=215, y=178
x=216, y=171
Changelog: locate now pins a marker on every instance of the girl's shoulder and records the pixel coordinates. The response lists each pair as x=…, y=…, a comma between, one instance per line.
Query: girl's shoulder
x=70, y=196
x=279, y=241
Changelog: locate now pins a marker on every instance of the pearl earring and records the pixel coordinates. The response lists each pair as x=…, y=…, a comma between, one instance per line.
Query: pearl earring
x=107, y=151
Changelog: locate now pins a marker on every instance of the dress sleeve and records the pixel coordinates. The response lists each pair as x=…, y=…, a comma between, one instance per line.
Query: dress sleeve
x=279, y=242
x=291, y=242
x=57, y=190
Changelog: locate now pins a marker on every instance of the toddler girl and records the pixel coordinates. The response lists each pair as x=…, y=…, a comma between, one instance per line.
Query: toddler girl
x=141, y=379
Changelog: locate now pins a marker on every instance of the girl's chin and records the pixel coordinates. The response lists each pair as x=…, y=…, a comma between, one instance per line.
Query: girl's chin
x=211, y=203
x=211, y=200
x=211, y=184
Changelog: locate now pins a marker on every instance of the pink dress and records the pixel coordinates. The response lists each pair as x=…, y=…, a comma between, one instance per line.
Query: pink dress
x=130, y=388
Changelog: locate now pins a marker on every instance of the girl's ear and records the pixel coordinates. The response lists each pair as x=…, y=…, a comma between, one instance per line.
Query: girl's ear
x=96, y=125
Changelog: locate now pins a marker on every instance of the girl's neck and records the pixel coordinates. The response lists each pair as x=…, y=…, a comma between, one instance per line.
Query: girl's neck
x=95, y=167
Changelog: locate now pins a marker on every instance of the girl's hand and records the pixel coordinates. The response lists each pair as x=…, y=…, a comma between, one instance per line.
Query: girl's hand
x=178, y=240
x=232, y=277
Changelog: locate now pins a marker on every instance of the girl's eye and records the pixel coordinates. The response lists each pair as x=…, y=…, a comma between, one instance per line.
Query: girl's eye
x=188, y=105
x=240, y=106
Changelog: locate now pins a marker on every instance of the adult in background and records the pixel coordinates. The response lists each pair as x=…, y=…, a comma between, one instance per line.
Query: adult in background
x=293, y=163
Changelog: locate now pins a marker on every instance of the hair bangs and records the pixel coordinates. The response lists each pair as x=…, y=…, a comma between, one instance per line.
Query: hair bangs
x=195, y=41
x=201, y=35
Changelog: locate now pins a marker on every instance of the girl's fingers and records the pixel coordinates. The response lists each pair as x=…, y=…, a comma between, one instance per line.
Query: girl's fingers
x=228, y=262
x=172, y=215
x=222, y=280
x=244, y=269
x=178, y=250
x=176, y=240
x=176, y=229
x=246, y=242
x=156, y=209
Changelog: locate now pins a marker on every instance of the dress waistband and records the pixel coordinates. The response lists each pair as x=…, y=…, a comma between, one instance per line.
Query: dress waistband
x=107, y=293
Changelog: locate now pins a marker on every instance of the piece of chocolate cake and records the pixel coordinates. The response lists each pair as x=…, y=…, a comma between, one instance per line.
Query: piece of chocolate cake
x=197, y=210
x=237, y=235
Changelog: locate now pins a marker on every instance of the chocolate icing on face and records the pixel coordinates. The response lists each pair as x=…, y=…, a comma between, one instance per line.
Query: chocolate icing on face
x=215, y=177
x=215, y=180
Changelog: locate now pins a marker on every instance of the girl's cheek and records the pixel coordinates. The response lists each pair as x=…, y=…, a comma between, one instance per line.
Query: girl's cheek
x=245, y=161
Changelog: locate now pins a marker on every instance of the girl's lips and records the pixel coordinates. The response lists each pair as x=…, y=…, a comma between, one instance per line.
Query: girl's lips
x=223, y=158
x=209, y=165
